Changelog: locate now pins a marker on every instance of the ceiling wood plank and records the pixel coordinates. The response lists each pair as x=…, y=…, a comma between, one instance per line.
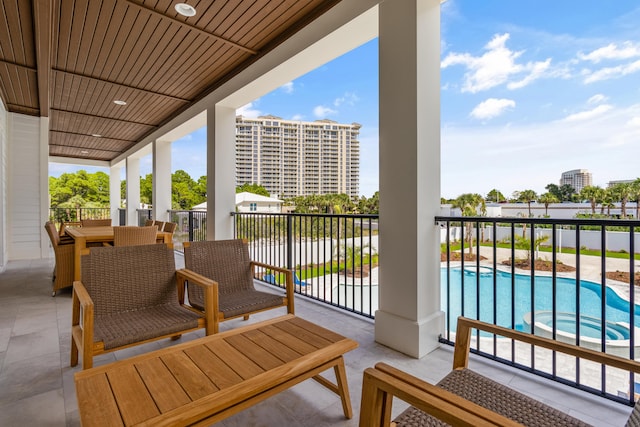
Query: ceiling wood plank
x=101, y=117
x=196, y=29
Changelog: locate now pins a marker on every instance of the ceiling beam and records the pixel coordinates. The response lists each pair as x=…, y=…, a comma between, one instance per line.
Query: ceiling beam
x=42, y=16
x=174, y=98
x=103, y=117
x=107, y=138
x=15, y=64
x=191, y=27
x=84, y=148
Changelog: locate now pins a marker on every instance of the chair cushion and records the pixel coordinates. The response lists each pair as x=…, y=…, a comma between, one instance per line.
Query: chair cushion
x=494, y=396
x=117, y=330
x=242, y=302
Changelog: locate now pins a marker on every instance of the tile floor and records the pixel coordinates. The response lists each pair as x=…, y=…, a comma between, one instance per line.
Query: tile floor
x=37, y=388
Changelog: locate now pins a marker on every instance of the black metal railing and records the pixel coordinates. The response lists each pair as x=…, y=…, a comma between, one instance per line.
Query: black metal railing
x=559, y=278
x=191, y=226
x=334, y=257
x=78, y=214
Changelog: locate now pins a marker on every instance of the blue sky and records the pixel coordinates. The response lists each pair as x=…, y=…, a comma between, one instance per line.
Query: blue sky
x=530, y=88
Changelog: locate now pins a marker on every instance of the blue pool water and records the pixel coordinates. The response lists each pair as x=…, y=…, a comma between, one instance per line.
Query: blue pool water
x=517, y=302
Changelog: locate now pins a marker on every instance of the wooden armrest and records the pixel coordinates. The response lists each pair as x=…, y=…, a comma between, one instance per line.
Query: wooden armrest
x=210, y=290
x=463, y=340
x=82, y=316
x=289, y=286
x=382, y=383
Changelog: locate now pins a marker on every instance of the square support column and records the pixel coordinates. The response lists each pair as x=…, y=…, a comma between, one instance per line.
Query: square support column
x=161, y=180
x=133, y=190
x=114, y=193
x=409, y=318
x=221, y=173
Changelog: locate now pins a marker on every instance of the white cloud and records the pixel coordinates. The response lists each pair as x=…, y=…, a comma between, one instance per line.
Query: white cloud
x=496, y=66
x=348, y=98
x=323, y=112
x=608, y=73
x=248, y=111
x=297, y=117
x=287, y=87
x=492, y=107
x=612, y=52
x=587, y=115
x=597, y=99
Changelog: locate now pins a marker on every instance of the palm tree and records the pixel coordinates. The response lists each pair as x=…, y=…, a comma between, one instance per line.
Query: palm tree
x=527, y=196
x=495, y=196
x=593, y=194
x=468, y=204
x=547, y=199
x=635, y=188
x=622, y=192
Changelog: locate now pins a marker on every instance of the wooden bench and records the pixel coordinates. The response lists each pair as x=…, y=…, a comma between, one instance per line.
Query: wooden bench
x=466, y=398
x=211, y=378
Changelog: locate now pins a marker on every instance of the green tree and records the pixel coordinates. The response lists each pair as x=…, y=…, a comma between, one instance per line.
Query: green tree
x=621, y=193
x=495, y=196
x=593, y=194
x=252, y=188
x=469, y=204
x=564, y=193
x=635, y=192
x=547, y=199
x=528, y=196
x=80, y=189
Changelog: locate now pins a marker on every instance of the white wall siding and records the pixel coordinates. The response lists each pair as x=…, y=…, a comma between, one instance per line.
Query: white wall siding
x=3, y=187
x=24, y=226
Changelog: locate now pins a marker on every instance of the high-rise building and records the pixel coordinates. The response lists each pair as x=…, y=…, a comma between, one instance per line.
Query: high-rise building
x=295, y=158
x=577, y=178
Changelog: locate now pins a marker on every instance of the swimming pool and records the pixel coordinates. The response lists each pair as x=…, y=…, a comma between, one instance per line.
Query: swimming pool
x=515, y=303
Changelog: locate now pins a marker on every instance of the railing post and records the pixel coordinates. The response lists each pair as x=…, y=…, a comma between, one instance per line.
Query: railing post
x=289, y=241
x=191, y=226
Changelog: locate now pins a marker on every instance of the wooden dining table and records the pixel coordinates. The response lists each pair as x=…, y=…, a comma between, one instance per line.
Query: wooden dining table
x=84, y=235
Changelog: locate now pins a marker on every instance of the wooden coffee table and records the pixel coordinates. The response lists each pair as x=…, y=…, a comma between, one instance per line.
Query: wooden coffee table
x=206, y=380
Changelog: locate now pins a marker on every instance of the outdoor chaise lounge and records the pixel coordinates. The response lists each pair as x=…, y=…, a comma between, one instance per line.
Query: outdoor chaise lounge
x=129, y=295
x=228, y=264
x=466, y=398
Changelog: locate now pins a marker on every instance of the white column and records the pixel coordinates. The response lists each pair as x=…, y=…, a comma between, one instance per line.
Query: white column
x=221, y=164
x=44, y=186
x=161, y=180
x=133, y=190
x=114, y=193
x=409, y=318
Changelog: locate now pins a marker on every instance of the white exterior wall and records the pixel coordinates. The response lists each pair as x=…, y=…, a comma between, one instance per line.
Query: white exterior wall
x=261, y=207
x=3, y=187
x=24, y=225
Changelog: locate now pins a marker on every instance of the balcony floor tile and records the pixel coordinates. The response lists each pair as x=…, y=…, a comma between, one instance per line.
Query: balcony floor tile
x=37, y=388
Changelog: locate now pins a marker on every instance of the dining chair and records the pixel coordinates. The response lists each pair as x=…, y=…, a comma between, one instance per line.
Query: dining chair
x=128, y=235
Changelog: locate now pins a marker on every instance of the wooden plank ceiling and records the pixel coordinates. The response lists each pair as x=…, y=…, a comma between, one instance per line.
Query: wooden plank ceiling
x=69, y=60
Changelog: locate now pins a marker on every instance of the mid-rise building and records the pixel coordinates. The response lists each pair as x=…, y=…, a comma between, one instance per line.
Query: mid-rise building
x=619, y=181
x=295, y=158
x=577, y=178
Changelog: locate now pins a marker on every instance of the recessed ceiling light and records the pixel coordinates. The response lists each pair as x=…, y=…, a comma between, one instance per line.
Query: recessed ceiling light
x=96, y=135
x=185, y=10
x=120, y=102
x=84, y=152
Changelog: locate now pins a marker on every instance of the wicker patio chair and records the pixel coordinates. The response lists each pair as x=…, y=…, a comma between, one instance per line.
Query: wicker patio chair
x=149, y=222
x=465, y=397
x=63, y=270
x=127, y=235
x=170, y=227
x=95, y=222
x=129, y=295
x=159, y=224
x=228, y=264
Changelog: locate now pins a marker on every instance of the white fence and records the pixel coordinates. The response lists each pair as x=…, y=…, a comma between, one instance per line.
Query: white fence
x=615, y=241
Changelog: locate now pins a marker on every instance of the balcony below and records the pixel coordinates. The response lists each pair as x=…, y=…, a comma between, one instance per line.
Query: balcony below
x=37, y=387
